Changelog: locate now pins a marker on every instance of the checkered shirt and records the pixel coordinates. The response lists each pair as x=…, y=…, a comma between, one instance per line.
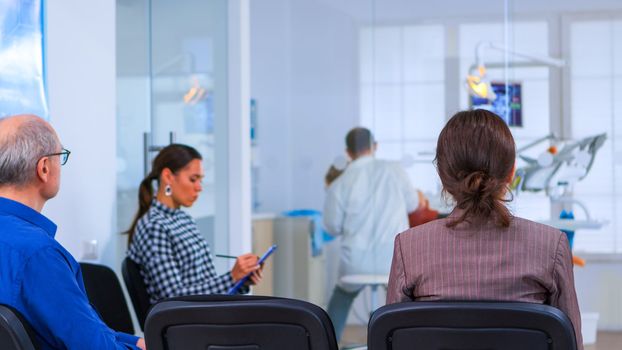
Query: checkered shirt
x=175, y=259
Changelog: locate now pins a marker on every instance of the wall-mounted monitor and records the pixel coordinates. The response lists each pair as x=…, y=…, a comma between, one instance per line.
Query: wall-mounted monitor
x=507, y=103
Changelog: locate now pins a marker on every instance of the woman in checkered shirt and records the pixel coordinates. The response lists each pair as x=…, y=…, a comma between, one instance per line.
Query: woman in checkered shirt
x=165, y=241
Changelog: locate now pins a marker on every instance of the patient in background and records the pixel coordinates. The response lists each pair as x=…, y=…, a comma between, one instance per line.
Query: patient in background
x=332, y=174
x=480, y=251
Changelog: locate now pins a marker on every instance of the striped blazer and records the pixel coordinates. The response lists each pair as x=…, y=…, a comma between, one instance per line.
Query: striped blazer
x=527, y=262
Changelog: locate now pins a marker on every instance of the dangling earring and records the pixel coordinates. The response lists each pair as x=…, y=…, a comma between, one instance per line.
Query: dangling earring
x=168, y=191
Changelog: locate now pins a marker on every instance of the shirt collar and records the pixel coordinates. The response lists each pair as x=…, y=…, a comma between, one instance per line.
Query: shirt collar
x=162, y=207
x=362, y=160
x=26, y=213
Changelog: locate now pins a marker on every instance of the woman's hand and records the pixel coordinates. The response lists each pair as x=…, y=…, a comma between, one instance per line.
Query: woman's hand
x=244, y=265
x=256, y=276
x=141, y=344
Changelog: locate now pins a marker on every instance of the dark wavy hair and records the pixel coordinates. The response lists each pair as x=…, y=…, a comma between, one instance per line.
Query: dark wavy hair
x=475, y=155
x=173, y=157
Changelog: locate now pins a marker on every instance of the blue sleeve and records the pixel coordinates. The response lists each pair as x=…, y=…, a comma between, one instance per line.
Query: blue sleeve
x=128, y=339
x=59, y=309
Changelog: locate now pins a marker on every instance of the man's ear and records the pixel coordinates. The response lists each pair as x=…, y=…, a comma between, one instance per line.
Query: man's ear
x=350, y=155
x=43, y=169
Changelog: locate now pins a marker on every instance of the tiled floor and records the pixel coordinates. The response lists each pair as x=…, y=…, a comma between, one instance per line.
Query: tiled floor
x=607, y=341
x=357, y=335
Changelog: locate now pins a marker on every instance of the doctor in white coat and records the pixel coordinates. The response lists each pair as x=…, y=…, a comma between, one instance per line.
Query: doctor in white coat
x=367, y=206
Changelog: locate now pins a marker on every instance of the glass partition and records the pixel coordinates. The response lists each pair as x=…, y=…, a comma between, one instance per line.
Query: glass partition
x=401, y=69
x=321, y=68
x=172, y=86
x=133, y=107
x=189, y=90
x=595, y=92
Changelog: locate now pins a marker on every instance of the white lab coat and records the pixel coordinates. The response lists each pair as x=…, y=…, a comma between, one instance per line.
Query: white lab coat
x=368, y=206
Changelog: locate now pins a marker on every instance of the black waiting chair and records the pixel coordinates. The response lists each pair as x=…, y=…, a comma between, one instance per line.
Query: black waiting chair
x=470, y=325
x=136, y=289
x=15, y=332
x=224, y=322
x=106, y=296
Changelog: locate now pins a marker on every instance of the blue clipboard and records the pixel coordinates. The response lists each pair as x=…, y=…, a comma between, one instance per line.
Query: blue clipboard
x=236, y=288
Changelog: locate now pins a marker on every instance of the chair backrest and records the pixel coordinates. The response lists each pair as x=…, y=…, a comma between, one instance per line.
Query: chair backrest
x=106, y=296
x=470, y=325
x=223, y=322
x=15, y=333
x=137, y=290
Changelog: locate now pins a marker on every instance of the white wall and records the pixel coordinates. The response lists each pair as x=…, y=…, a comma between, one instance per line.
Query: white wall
x=395, y=11
x=324, y=95
x=270, y=86
x=81, y=83
x=305, y=81
x=599, y=289
x=304, y=76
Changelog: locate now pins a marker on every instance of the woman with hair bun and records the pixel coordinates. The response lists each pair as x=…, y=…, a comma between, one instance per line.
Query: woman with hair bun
x=481, y=251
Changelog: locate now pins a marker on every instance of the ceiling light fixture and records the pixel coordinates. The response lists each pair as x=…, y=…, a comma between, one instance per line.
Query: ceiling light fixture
x=479, y=85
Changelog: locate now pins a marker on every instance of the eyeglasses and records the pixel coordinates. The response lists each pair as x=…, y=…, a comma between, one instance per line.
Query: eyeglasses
x=64, y=156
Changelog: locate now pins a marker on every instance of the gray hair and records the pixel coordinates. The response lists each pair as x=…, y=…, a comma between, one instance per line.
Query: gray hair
x=20, y=150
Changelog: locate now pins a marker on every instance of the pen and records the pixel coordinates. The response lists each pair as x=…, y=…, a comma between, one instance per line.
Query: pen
x=226, y=256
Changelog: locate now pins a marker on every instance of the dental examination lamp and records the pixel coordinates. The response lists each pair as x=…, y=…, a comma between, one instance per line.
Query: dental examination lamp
x=185, y=64
x=556, y=170
x=478, y=84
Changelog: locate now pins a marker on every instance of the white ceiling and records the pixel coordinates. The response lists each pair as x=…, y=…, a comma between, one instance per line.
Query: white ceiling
x=409, y=10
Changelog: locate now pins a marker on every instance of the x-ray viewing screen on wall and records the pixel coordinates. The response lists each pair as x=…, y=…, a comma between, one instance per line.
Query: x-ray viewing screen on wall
x=506, y=104
x=22, y=86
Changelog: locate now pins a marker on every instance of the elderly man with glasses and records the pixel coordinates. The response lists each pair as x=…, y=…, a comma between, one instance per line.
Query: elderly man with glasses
x=38, y=277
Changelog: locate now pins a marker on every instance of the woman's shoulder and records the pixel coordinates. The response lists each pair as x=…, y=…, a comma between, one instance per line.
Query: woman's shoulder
x=529, y=227
x=155, y=220
x=438, y=227
x=152, y=220
x=424, y=230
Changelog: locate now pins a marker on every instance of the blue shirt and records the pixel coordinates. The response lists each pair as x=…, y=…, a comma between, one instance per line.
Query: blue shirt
x=41, y=280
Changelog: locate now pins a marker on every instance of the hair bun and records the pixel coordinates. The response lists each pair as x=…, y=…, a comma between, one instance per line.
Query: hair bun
x=479, y=187
x=476, y=182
